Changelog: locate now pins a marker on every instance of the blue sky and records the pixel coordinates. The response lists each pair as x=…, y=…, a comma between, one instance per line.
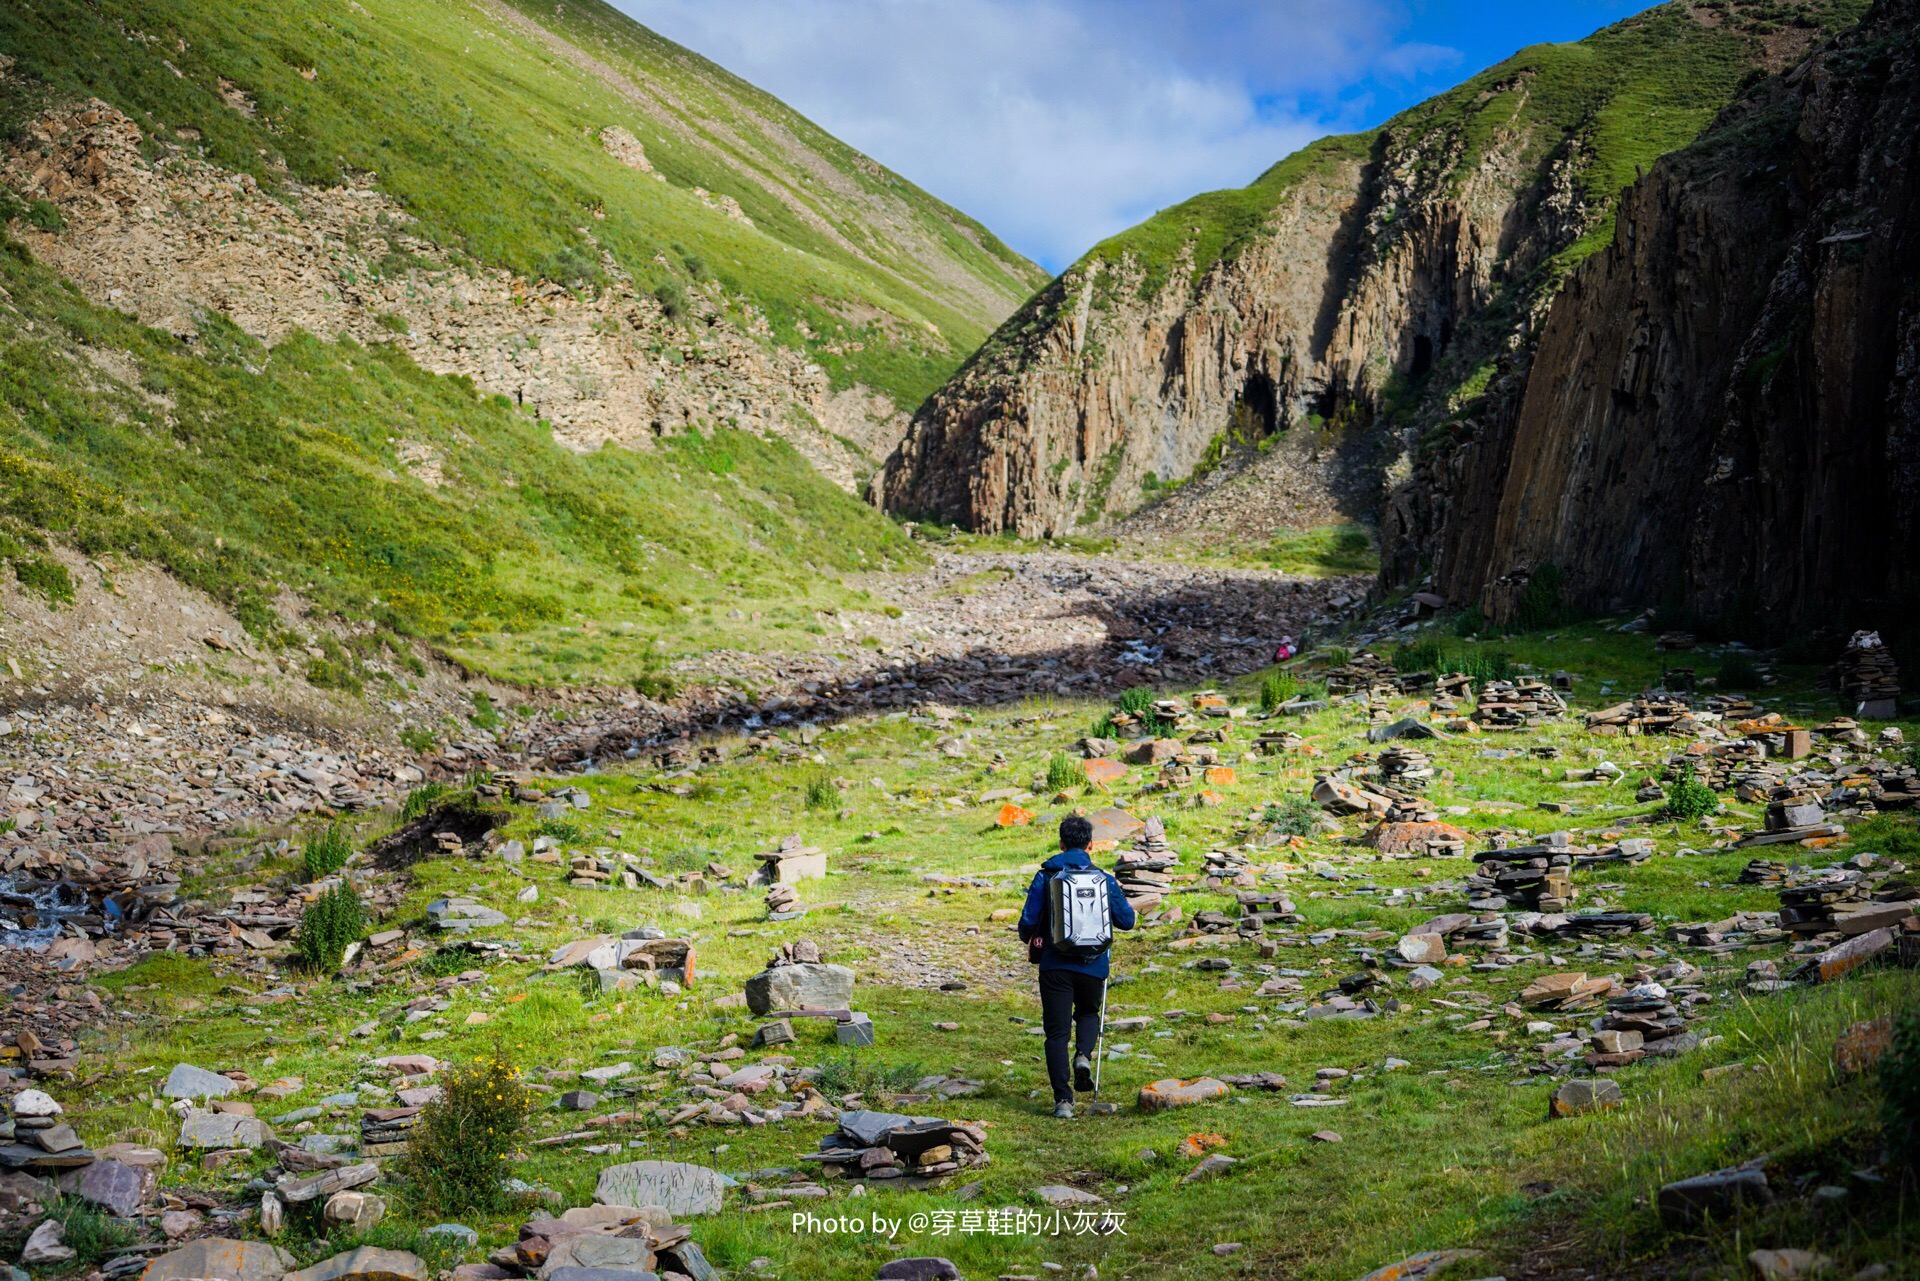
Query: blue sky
x=1060, y=122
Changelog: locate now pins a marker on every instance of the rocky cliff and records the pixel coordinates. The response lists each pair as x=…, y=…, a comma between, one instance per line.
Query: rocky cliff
x=1722, y=415
x=1354, y=293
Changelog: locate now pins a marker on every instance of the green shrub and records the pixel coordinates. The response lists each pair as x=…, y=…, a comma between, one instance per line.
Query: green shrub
x=325, y=852
x=672, y=299
x=1064, y=772
x=1689, y=798
x=330, y=924
x=854, y=1075
x=457, y=1155
x=420, y=741
x=1292, y=815
x=46, y=577
x=329, y=673
x=564, y=830
x=485, y=715
x=1540, y=605
x=1421, y=656
x=423, y=799
x=1900, y=1095
x=1277, y=688
x=89, y=1232
x=821, y=794
x=1739, y=671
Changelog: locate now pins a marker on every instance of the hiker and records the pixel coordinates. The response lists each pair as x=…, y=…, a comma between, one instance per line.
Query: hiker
x=1070, y=947
x=1284, y=650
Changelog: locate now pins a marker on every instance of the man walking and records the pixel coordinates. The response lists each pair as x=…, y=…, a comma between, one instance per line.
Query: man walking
x=1067, y=926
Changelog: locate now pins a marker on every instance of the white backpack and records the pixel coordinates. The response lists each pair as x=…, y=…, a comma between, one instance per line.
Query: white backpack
x=1079, y=919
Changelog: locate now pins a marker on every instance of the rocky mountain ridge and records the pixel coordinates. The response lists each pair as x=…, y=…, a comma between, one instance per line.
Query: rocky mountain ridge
x=1359, y=288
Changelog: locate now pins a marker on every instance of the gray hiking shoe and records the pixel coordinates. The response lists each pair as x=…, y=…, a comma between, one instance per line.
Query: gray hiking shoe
x=1063, y=1111
x=1083, y=1074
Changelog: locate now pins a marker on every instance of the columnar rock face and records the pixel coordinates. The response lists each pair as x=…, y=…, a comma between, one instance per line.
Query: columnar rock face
x=1344, y=298
x=1723, y=412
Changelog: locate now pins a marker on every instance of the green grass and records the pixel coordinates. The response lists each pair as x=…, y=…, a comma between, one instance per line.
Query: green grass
x=242, y=470
x=1326, y=551
x=1433, y=1155
x=491, y=139
x=1437, y=1154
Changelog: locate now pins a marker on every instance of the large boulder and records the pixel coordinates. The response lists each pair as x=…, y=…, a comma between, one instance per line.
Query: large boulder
x=189, y=1082
x=219, y=1257
x=675, y=1186
x=368, y=1263
x=117, y=1188
x=805, y=986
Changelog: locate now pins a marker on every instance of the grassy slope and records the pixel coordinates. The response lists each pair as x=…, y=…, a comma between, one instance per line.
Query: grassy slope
x=242, y=469
x=1434, y=1155
x=1630, y=92
x=491, y=140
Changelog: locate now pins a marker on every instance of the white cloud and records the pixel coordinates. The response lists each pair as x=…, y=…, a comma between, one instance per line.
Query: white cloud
x=1055, y=122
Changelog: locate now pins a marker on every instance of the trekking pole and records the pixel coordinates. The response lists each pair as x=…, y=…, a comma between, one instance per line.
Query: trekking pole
x=1100, y=1042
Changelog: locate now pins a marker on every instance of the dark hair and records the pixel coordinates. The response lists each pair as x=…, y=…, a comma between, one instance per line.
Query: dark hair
x=1076, y=833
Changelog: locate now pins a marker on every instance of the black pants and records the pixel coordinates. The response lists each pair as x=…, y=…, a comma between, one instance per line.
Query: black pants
x=1068, y=1002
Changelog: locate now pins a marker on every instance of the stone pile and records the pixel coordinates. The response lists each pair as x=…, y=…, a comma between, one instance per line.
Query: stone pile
x=783, y=904
x=1227, y=867
x=642, y=957
x=1635, y=1024
x=1762, y=871
x=1260, y=910
x=1513, y=705
x=1565, y=993
x=1649, y=714
x=1592, y=925
x=1844, y=899
x=886, y=1145
x=1277, y=742
x=1791, y=809
x=610, y=1241
x=1867, y=678
x=791, y=862
x=386, y=1131
x=1364, y=673
x=1144, y=871
x=1406, y=767
x=1538, y=876
x=41, y=1141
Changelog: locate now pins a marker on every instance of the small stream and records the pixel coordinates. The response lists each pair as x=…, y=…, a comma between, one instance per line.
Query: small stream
x=32, y=912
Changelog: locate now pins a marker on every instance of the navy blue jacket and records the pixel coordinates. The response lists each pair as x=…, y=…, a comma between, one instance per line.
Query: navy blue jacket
x=1033, y=917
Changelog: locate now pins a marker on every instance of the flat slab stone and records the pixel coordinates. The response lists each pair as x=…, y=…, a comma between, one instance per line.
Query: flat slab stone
x=591, y=1251
x=222, y=1130
x=220, y=1257
x=1713, y=1195
x=1157, y=1096
x=1062, y=1194
x=868, y=1129
x=189, y=1082
x=677, y=1186
x=115, y=1187
x=368, y=1263
x=807, y=986
x=602, y=1274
